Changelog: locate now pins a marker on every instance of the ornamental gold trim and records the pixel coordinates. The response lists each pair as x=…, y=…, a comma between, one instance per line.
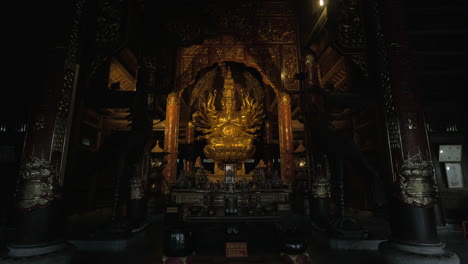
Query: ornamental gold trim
x=37, y=187
x=137, y=189
x=321, y=181
x=417, y=184
x=321, y=188
x=284, y=99
x=173, y=99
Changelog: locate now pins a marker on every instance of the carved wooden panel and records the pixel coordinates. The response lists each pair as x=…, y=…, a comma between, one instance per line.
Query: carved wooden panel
x=186, y=70
x=290, y=67
x=195, y=50
x=271, y=48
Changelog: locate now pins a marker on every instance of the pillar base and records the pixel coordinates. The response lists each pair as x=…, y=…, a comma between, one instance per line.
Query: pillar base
x=54, y=252
x=394, y=252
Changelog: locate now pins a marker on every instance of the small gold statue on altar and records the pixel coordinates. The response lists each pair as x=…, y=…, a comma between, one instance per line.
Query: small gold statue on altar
x=229, y=133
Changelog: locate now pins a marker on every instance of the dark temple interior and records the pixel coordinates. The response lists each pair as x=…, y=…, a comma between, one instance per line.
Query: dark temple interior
x=244, y=131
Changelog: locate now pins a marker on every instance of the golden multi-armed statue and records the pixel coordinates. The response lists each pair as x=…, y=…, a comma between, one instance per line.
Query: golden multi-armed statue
x=229, y=133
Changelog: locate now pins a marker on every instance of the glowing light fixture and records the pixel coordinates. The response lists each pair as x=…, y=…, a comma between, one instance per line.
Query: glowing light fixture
x=321, y=3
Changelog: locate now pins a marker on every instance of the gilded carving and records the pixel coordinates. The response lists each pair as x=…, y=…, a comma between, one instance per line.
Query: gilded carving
x=284, y=99
x=173, y=99
x=203, y=61
x=274, y=52
x=384, y=81
x=63, y=109
x=311, y=69
x=290, y=67
x=218, y=54
x=190, y=124
x=227, y=53
x=198, y=63
x=276, y=30
x=233, y=53
x=250, y=58
x=393, y=128
x=321, y=188
x=37, y=186
x=59, y=134
x=137, y=189
x=235, y=20
x=186, y=70
x=195, y=50
x=265, y=58
x=393, y=125
x=205, y=84
x=321, y=179
x=417, y=184
x=71, y=62
x=239, y=53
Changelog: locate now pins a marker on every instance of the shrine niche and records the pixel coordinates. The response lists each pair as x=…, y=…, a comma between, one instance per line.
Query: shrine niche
x=262, y=36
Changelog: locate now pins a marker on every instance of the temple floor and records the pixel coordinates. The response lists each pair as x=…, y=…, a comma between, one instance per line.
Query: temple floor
x=146, y=246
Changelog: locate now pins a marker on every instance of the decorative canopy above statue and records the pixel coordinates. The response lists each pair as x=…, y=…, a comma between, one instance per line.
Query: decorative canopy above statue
x=229, y=132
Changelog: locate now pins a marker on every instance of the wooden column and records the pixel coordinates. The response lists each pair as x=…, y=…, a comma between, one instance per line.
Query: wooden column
x=318, y=171
x=313, y=109
x=414, y=186
x=171, y=135
x=190, y=138
x=39, y=216
x=413, y=189
x=142, y=127
x=312, y=71
x=268, y=139
x=286, y=137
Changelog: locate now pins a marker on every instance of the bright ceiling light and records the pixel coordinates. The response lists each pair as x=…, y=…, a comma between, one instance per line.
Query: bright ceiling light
x=321, y=3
